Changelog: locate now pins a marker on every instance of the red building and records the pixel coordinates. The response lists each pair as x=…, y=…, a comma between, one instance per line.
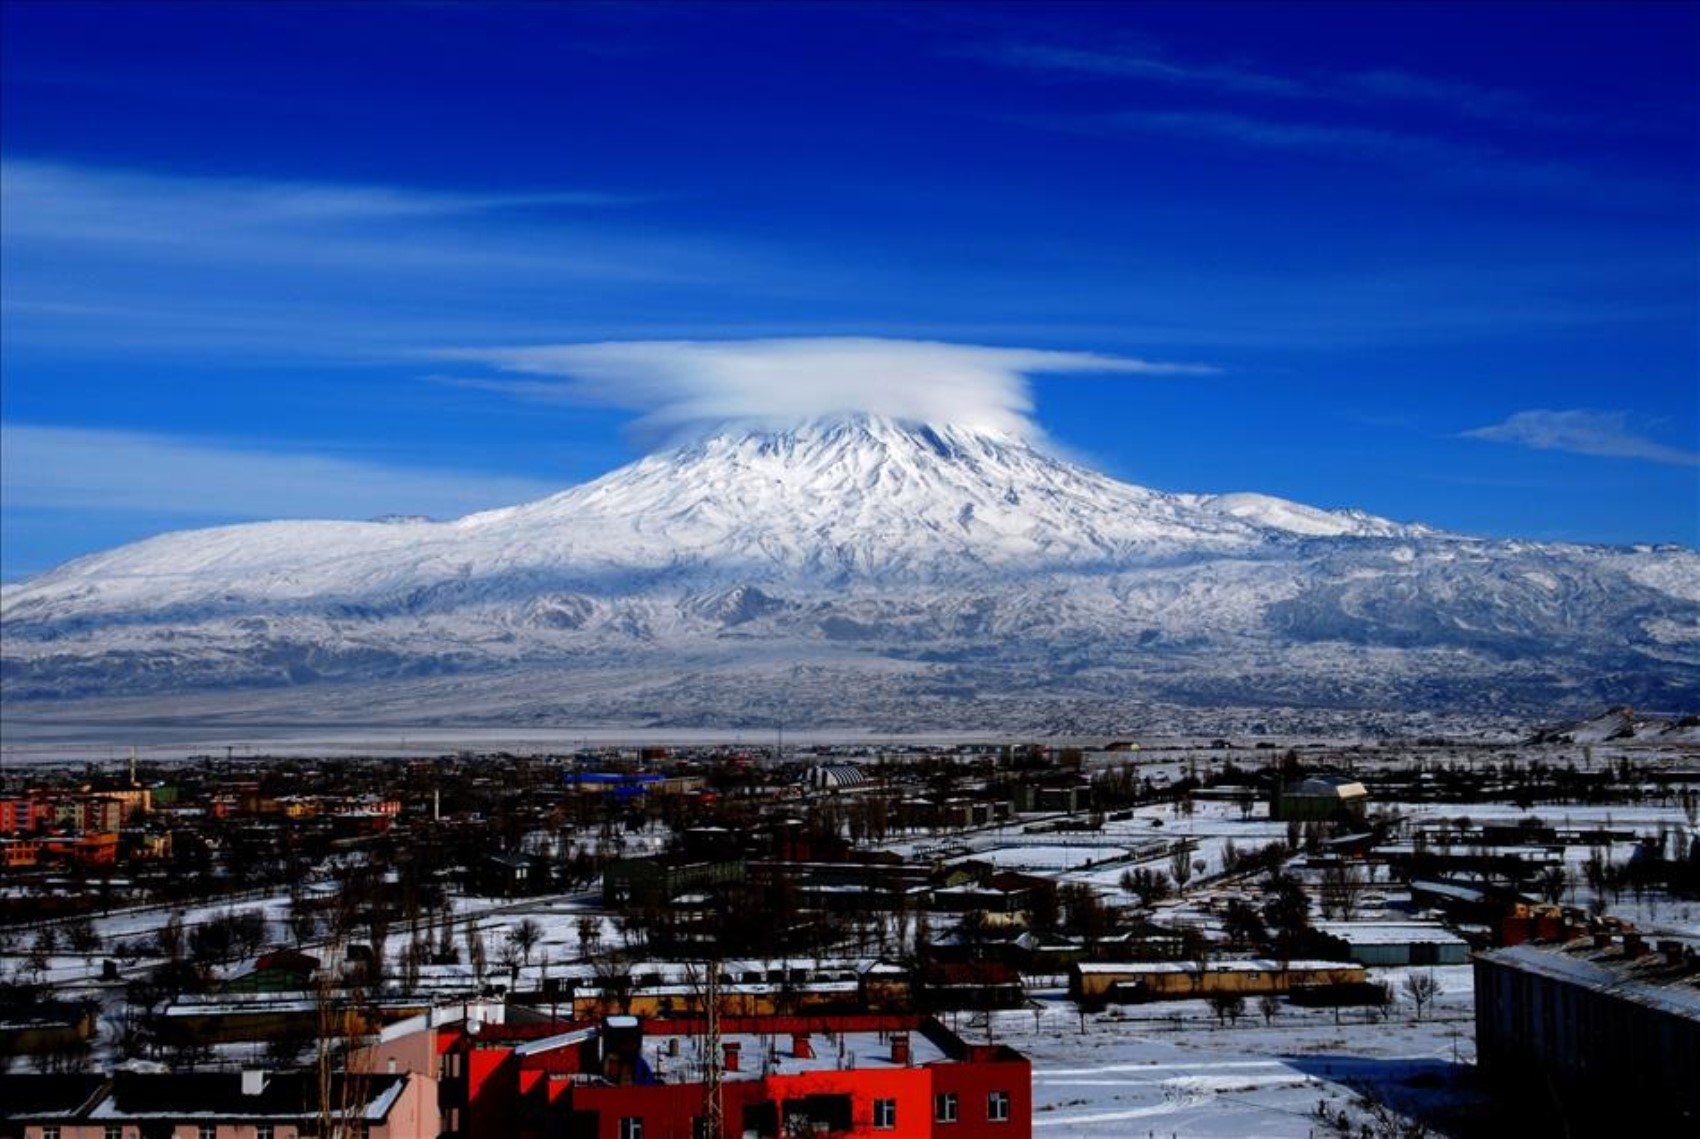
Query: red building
x=23, y=816
x=902, y=1077
x=15, y=816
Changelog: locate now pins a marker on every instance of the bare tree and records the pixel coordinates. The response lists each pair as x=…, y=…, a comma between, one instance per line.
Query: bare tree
x=1422, y=989
x=446, y=952
x=475, y=950
x=1180, y=866
x=589, y=934
x=82, y=938
x=1227, y=1006
x=1341, y=884
x=1146, y=884
x=303, y=917
x=1269, y=1005
x=413, y=955
x=614, y=981
x=524, y=937
x=507, y=956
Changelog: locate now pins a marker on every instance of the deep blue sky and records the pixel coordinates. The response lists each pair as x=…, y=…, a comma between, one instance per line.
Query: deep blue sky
x=235, y=236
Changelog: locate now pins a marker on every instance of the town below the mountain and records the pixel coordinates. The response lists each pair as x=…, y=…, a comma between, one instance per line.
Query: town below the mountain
x=1164, y=935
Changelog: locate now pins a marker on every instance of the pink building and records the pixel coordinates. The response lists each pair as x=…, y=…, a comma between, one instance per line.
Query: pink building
x=218, y=1105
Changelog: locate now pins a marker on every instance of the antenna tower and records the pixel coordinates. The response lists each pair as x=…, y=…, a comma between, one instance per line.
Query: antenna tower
x=713, y=1120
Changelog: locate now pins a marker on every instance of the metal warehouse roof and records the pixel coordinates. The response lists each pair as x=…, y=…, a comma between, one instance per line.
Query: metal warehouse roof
x=1646, y=980
x=1326, y=787
x=1388, y=932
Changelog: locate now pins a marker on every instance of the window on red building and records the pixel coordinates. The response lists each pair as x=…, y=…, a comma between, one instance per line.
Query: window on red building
x=761, y=1118
x=817, y=1113
x=944, y=1107
x=885, y=1115
x=997, y=1107
x=631, y=1127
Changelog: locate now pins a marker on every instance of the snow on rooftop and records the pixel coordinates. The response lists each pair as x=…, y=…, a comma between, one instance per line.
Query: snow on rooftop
x=567, y=1039
x=1256, y=965
x=380, y=1107
x=1388, y=932
x=1645, y=980
x=1326, y=786
x=831, y=1053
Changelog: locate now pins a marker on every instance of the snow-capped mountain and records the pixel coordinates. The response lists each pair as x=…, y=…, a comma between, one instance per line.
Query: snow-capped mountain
x=861, y=570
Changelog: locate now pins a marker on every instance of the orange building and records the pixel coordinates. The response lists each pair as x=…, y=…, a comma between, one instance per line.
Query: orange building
x=99, y=849
x=19, y=853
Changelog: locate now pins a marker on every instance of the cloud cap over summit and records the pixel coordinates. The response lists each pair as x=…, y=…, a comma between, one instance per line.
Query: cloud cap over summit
x=683, y=386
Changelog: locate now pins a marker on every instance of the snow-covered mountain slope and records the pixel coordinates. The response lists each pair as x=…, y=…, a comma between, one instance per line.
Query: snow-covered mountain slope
x=915, y=558
x=1619, y=724
x=851, y=499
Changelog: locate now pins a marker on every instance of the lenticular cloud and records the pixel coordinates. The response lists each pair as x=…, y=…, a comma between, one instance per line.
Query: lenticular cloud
x=681, y=385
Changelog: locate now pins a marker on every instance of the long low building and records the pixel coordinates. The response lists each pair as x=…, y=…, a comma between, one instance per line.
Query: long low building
x=1177, y=980
x=1391, y=943
x=226, y=1018
x=1599, y=1031
x=746, y=988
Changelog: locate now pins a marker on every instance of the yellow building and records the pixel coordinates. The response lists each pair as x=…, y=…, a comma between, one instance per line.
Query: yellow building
x=1177, y=980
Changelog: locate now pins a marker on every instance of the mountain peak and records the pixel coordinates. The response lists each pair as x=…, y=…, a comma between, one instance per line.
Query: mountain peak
x=862, y=429
x=917, y=557
x=861, y=495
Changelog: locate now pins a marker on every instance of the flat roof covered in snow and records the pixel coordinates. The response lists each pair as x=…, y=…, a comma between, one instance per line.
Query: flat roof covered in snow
x=1388, y=932
x=1256, y=965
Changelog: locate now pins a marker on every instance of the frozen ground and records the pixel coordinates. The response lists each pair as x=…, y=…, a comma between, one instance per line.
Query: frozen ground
x=1169, y=1069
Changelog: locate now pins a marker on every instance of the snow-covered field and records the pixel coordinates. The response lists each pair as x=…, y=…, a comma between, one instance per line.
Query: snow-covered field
x=1170, y=1069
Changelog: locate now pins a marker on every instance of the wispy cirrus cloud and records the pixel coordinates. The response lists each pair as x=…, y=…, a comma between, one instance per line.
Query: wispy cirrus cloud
x=93, y=469
x=1444, y=158
x=681, y=385
x=1277, y=134
x=90, y=210
x=1606, y=434
x=66, y=201
x=1460, y=97
x=1140, y=65
x=1389, y=86
x=111, y=258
